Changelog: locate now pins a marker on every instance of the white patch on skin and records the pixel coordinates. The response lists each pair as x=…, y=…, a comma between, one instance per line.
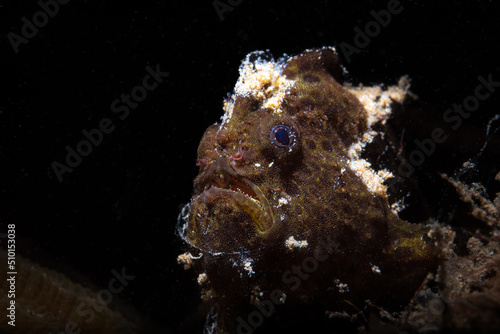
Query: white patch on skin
x=343, y=288
x=373, y=180
x=261, y=79
x=248, y=267
x=291, y=243
x=282, y=201
x=187, y=259
x=377, y=102
x=202, y=278
x=376, y=270
x=397, y=207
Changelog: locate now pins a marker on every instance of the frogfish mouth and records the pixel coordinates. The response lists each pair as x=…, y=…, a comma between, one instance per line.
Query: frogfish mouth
x=221, y=192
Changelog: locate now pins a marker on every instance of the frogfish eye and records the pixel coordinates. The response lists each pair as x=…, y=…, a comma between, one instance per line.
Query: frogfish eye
x=282, y=136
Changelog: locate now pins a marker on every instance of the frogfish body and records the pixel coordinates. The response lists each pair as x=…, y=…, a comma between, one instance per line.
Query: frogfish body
x=286, y=213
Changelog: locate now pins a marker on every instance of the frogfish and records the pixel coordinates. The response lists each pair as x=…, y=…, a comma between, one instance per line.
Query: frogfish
x=289, y=224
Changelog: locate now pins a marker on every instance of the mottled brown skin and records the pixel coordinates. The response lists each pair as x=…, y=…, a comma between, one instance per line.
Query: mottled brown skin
x=329, y=206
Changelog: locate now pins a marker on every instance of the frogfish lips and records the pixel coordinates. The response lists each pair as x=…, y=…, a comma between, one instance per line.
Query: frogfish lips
x=229, y=213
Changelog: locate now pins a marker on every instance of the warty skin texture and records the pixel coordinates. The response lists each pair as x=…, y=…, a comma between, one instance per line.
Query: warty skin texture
x=251, y=196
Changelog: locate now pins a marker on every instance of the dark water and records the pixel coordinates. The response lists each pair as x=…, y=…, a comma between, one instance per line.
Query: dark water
x=118, y=207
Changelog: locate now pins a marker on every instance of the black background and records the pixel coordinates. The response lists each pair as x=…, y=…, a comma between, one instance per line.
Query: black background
x=119, y=207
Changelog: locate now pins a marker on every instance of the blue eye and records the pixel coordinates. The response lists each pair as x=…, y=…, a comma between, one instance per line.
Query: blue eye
x=282, y=136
